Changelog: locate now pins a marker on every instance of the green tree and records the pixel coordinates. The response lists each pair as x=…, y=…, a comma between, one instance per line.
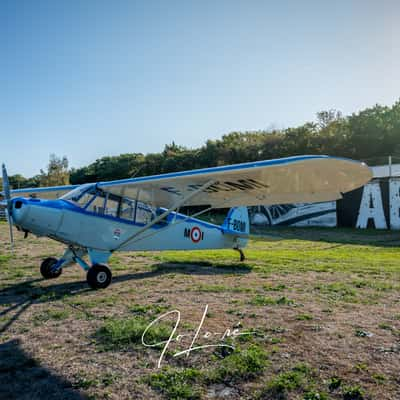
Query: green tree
x=57, y=172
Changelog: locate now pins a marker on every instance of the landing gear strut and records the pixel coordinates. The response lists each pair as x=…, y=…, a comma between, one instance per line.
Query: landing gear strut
x=47, y=268
x=98, y=275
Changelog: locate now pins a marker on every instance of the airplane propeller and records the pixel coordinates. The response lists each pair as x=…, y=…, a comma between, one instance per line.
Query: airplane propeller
x=7, y=197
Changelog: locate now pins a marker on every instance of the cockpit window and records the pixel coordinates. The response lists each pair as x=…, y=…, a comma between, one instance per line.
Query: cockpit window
x=144, y=214
x=127, y=209
x=97, y=205
x=104, y=204
x=96, y=201
x=85, y=199
x=164, y=221
x=112, y=205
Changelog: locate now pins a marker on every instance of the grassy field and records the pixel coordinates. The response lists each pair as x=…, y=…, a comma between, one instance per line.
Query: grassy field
x=321, y=308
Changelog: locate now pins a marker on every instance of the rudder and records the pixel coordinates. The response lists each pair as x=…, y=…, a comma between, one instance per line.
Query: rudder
x=237, y=222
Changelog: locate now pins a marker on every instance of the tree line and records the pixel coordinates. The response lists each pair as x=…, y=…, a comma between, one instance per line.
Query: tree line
x=369, y=135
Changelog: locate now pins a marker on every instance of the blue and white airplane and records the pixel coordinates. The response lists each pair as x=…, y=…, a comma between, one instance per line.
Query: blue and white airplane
x=96, y=219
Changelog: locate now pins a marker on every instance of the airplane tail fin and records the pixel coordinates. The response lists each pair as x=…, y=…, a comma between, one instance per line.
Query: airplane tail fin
x=237, y=222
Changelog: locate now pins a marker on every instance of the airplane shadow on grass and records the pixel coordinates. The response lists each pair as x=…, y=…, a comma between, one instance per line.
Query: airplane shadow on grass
x=22, y=295
x=335, y=236
x=22, y=377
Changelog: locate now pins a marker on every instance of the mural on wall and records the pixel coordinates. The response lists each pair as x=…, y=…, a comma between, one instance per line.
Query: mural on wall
x=317, y=214
x=376, y=205
x=371, y=207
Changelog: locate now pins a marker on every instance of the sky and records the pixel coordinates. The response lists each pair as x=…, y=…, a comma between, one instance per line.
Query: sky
x=90, y=78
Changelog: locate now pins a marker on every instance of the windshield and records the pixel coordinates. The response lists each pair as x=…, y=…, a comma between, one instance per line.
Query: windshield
x=78, y=195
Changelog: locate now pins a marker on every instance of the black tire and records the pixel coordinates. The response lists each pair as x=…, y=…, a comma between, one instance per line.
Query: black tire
x=99, y=276
x=45, y=268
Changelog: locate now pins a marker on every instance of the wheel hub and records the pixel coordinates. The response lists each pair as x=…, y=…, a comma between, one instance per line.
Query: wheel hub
x=101, y=277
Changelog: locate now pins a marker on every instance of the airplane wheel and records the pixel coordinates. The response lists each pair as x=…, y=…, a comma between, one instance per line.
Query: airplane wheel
x=99, y=276
x=45, y=268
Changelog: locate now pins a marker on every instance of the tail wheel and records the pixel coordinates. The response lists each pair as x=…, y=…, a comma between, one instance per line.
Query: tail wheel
x=99, y=276
x=46, y=268
x=242, y=256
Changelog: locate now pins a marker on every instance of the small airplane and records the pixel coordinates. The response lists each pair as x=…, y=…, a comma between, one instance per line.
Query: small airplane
x=136, y=214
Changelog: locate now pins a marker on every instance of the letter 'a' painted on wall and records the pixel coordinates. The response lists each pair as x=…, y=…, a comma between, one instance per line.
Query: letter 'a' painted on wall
x=371, y=207
x=394, y=201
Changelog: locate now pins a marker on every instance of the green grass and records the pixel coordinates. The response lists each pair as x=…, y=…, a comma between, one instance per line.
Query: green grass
x=241, y=365
x=360, y=367
x=116, y=264
x=83, y=302
x=385, y=326
x=274, y=288
x=4, y=259
x=334, y=383
x=304, y=317
x=338, y=291
x=121, y=334
x=379, y=378
x=300, y=378
x=176, y=384
x=222, y=288
x=149, y=309
x=283, y=383
x=380, y=286
x=51, y=314
x=299, y=255
x=315, y=395
x=260, y=300
x=353, y=393
x=85, y=382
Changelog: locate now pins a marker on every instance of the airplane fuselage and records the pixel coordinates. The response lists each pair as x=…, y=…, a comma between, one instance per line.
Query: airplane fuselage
x=68, y=223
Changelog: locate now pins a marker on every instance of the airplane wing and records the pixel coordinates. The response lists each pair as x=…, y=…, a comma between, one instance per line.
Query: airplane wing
x=51, y=192
x=299, y=179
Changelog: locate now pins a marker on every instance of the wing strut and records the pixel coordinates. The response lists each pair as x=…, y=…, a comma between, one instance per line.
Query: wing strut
x=165, y=213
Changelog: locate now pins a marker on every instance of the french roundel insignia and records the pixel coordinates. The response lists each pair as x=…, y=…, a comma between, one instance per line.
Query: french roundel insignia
x=195, y=234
